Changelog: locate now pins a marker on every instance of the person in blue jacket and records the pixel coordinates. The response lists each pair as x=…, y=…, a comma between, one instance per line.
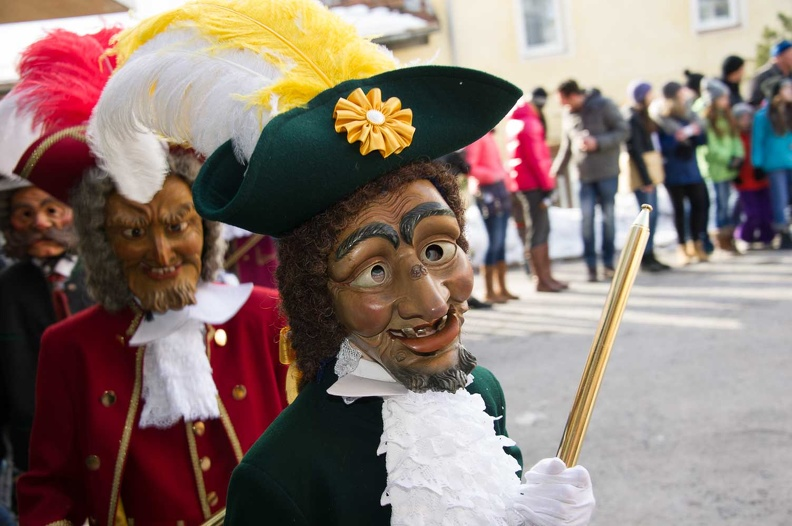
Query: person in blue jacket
x=682, y=175
x=771, y=150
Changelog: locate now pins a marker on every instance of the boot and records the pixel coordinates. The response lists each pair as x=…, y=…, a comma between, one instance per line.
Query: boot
x=541, y=264
x=690, y=249
x=489, y=276
x=786, y=241
x=545, y=249
x=474, y=303
x=501, y=269
x=650, y=263
x=725, y=240
x=701, y=253
x=728, y=241
x=683, y=255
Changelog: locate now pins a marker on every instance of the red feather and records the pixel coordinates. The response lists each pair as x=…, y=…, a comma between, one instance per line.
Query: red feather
x=62, y=76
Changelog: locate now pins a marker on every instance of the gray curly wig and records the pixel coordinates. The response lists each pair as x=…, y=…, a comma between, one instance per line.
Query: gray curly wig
x=104, y=275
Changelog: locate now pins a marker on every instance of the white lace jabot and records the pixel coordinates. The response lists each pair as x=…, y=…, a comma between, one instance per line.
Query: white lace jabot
x=177, y=376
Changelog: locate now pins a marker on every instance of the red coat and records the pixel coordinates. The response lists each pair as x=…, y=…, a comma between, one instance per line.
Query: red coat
x=530, y=156
x=747, y=178
x=89, y=458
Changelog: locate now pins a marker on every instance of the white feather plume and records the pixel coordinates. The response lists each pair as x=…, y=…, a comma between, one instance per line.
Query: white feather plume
x=178, y=88
x=17, y=133
x=137, y=162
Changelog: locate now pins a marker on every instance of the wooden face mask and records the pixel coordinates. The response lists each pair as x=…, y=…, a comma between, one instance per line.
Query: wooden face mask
x=41, y=226
x=400, y=285
x=159, y=245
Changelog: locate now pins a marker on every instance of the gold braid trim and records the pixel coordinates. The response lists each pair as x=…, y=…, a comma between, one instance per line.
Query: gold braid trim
x=129, y=424
x=75, y=132
x=230, y=431
x=62, y=522
x=199, y=481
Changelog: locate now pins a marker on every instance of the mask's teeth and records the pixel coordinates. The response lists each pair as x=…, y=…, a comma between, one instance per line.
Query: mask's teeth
x=409, y=333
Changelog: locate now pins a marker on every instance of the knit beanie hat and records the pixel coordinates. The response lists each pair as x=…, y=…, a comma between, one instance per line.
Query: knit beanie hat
x=773, y=85
x=638, y=90
x=731, y=64
x=539, y=96
x=742, y=108
x=693, y=80
x=780, y=47
x=712, y=89
x=671, y=89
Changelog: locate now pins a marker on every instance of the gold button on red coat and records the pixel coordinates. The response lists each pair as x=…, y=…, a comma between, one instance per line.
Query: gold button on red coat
x=206, y=463
x=212, y=498
x=108, y=398
x=92, y=462
x=239, y=392
x=220, y=337
x=199, y=428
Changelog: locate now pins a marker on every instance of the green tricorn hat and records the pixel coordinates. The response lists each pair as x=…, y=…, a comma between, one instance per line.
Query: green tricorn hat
x=291, y=108
x=301, y=166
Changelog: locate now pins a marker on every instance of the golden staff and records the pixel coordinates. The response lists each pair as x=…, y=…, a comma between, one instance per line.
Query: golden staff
x=612, y=313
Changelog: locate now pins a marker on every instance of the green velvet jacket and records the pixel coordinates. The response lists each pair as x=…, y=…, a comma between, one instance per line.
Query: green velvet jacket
x=317, y=463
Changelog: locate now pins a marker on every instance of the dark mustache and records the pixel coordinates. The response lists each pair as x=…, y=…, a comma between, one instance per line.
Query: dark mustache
x=17, y=242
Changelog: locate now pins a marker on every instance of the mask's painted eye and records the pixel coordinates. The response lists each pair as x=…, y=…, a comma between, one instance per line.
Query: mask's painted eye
x=373, y=276
x=133, y=233
x=438, y=252
x=177, y=228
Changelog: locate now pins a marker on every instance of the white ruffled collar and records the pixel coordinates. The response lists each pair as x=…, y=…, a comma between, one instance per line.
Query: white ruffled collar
x=215, y=304
x=368, y=379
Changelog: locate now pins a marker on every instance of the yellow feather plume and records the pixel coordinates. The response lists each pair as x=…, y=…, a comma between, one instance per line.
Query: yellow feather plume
x=312, y=47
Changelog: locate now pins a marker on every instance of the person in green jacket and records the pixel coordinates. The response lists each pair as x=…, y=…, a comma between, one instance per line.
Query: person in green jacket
x=720, y=159
x=313, y=135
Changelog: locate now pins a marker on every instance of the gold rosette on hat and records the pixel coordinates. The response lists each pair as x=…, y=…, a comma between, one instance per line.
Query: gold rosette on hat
x=384, y=127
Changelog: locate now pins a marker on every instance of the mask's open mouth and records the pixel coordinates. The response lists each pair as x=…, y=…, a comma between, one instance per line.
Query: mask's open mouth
x=425, y=340
x=162, y=273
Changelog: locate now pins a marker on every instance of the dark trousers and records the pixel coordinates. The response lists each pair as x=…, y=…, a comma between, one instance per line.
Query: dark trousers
x=757, y=223
x=536, y=215
x=698, y=198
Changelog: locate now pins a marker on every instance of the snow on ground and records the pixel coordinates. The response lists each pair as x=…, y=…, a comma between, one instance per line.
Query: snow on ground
x=565, y=238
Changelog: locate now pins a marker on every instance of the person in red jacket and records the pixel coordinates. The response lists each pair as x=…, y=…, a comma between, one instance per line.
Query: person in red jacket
x=530, y=172
x=756, y=225
x=494, y=200
x=146, y=402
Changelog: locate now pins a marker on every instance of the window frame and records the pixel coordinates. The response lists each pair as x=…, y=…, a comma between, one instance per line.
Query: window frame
x=701, y=26
x=559, y=47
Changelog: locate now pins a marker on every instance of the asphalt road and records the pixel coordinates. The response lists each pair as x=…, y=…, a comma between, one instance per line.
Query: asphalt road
x=693, y=424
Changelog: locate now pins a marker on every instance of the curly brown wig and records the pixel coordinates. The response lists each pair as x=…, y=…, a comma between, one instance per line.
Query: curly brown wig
x=316, y=333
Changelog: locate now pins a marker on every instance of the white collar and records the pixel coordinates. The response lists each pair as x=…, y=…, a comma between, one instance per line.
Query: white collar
x=215, y=304
x=64, y=266
x=368, y=379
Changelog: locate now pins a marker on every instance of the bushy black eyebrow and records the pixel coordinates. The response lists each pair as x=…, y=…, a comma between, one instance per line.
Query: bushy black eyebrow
x=419, y=213
x=365, y=232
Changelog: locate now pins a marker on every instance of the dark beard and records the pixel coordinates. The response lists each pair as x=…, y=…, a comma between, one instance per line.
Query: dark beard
x=18, y=242
x=449, y=380
x=176, y=297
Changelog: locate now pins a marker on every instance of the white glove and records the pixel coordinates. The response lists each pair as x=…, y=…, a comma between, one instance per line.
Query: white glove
x=552, y=495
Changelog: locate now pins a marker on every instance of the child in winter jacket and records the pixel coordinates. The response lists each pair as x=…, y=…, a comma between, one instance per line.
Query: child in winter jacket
x=756, y=224
x=682, y=175
x=771, y=149
x=721, y=158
